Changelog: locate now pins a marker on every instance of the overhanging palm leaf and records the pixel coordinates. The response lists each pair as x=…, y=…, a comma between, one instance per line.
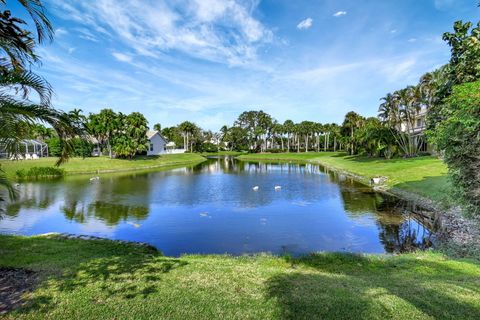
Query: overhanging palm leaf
x=14, y=113
x=24, y=82
x=6, y=185
x=36, y=11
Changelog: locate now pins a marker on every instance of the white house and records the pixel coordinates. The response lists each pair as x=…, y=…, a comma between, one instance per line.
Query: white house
x=156, y=143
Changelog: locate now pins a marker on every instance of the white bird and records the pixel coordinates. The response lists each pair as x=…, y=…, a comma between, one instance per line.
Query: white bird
x=255, y=188
x=278, y=187
x=94, y=178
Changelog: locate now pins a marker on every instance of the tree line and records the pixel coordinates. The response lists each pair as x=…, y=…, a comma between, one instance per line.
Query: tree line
x=449, y=95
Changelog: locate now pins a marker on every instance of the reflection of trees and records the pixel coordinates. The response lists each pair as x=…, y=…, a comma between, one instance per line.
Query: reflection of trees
x=402, y=225
x=112, y=213
x=406, y=236
x=32, y=195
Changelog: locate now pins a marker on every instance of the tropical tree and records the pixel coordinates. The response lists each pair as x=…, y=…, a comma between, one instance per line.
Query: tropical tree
x=288, y=127
x=103, y=127
x=459, y=137
x=131, y=137
x=157, y=127
x=17, y=54
x=352, y=122
x=188, y=129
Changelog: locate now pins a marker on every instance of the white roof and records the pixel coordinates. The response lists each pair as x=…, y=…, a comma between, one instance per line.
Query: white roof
x=151, y=133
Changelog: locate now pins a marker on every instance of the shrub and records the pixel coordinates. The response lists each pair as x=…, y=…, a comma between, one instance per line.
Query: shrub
x=209, y=147
x=35, y=173
x=458, y=136
x=54, y=147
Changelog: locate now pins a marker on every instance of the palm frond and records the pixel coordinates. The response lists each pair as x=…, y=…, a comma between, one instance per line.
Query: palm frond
x=36, y=10
x=24, y=82
x=7, y=186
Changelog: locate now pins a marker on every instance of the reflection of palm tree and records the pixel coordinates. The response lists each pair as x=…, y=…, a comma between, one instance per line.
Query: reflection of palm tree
x=113, y=213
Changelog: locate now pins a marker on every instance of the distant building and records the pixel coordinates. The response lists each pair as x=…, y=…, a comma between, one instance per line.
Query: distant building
x=156, y=143
x=417, y=129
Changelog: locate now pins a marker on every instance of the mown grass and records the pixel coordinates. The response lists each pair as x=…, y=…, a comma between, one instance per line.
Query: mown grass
x=106, y=280
x=103, y=164
x=426, y=176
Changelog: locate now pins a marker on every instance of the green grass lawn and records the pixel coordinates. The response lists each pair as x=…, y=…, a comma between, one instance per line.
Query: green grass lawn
x=107, y=280
x=426, y=176
x=103, y=164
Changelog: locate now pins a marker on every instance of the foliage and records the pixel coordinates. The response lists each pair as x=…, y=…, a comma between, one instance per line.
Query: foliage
x=459, y=137
x=465, y=49
x=17, y=54
x=209, y=147
x=130, y=137
x=124, y=135
x=34, y=173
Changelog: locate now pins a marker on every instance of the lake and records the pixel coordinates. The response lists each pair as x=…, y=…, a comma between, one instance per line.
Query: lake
x=212, y=207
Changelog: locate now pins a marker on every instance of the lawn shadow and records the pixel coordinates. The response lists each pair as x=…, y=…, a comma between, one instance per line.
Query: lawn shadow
x=348, y=286
x=123, y=271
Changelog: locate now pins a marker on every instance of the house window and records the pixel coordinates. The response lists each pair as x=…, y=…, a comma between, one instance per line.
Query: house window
x=419, y=122
x=151, y=146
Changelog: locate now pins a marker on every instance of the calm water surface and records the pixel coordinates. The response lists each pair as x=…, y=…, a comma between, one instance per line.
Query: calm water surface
x=212, y=208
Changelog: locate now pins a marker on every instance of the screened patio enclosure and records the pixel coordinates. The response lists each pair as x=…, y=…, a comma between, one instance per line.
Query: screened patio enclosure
x=26, y=149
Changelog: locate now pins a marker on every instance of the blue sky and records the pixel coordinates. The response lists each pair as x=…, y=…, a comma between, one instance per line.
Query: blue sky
x=208, y=60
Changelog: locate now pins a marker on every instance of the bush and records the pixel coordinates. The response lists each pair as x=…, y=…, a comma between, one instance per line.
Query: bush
x=81, y=148
x=35, y=173
x=209, y=147
x=458, y=136
x=54, y=147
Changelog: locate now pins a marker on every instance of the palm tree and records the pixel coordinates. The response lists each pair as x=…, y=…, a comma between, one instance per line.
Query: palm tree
x=288, y=127
x=187, y=128
x=16, y=82
x=352, y=122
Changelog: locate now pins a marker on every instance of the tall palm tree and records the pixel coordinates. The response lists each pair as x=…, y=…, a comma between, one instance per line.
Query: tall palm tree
x=17, y=53
x=288, y=127
x=351, y=123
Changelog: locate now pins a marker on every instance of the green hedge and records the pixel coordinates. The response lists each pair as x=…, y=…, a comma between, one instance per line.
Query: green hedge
x=40, y=173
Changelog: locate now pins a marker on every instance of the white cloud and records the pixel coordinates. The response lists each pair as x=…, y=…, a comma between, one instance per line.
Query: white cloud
x=71, y=50
x=398, y=70
x=444, y=4
x=305, y=24
x=340, y=13
x=60, y=32
x=122, y=57
x=412, y=40
x=223, y=31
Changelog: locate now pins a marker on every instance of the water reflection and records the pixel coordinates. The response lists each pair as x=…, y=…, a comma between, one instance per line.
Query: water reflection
x=211, y=208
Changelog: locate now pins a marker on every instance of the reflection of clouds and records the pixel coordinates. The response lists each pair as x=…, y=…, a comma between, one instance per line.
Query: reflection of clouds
x=24, y=221
x=301, y=203
x=212, y=207
x=367, y=221
x=97, y=227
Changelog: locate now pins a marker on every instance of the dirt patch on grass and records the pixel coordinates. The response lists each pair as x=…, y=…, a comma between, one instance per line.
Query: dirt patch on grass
x=14, y=284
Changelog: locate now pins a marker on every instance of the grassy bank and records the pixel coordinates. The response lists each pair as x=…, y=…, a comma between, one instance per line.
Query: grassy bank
x=103, y=164
x=425, y=176
x=106, y=280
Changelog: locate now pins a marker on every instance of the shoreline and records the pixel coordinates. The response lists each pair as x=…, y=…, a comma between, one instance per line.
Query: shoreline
x=457, y=234
x=72, y=168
